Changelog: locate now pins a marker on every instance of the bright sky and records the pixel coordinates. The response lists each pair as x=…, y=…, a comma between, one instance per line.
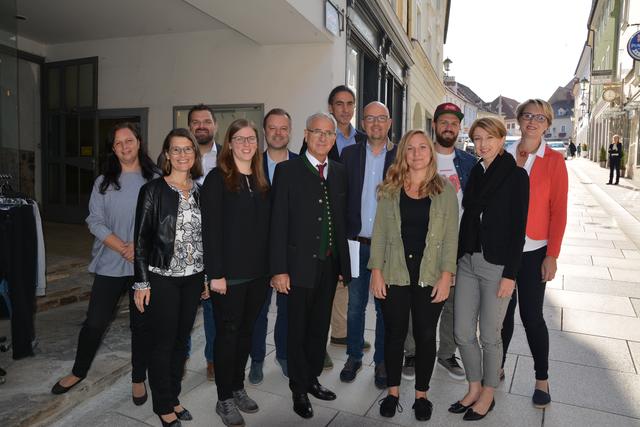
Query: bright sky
x=516, y=48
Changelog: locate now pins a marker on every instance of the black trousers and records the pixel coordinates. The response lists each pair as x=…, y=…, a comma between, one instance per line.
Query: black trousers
x=308, y=323
x=396, y=306
x=235, y=314
x=103, y=303
x=614, y=165
x=18, y=264
x=531, y=288
x=171, y=313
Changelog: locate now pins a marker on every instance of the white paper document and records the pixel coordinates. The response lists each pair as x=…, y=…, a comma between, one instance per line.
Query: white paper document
x=354, y=255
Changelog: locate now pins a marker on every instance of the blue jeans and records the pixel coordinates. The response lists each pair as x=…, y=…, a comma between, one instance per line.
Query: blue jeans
x=209, y=329
x=358, y=299
x=258, y=343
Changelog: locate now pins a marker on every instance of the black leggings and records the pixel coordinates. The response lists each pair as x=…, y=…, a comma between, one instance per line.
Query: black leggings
x=171, y=311
x=531, y=289
x=105, y=295
x=395, y=311
x=235, y=314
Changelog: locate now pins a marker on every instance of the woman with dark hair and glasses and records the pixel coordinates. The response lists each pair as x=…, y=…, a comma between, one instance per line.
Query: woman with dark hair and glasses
x=235, y=223
x=169, y=270
x=111, y=220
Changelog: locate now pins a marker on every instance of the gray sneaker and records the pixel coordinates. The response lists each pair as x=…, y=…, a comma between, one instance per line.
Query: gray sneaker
x=451, y=364
x=244, y=402
x=229, y=413
x=409, y=368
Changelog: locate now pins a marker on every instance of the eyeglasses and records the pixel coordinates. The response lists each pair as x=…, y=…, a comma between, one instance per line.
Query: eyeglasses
x=250, y=140
x=537, y=117
x=379, y=119
x=176, y=151
x=320, y=132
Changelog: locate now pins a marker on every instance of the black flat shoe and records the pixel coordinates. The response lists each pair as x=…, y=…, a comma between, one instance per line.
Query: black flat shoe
x=60, y=389
x=184, y=415
x=302, y=406
x=459, y=408
x=139, y=401
x=388, y=406
x=322, y=393
x=472, y=415
x=423, y=409
x=174, y=423
x=541, y=399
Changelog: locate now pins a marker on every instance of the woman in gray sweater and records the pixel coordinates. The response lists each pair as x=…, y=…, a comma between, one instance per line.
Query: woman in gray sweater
x=111, y=219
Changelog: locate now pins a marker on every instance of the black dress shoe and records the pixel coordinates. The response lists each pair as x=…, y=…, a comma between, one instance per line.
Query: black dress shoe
x=60, y=389
x=139, y=401
x=302, y=406
x=321, y=393
x=458, y=408
x=472, y=415
x=423, y=409
x=174, y=423
x=184, y=415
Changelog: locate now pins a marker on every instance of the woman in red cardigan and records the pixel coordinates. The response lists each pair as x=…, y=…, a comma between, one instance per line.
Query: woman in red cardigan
x=546, y=222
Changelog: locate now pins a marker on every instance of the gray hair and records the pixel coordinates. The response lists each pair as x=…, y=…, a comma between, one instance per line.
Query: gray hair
x=321, y=115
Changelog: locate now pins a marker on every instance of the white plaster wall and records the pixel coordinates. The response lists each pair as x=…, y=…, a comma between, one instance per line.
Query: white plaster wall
x=214, y=67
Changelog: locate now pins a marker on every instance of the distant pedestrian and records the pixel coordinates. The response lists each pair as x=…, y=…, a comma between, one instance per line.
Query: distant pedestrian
x=615, y=155
x=572, y=150
x=490, y=244
x=546, y=222
x=169, y=268
x=111, y=220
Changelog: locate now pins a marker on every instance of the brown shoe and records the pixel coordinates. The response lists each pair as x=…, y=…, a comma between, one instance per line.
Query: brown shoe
x=211, y=375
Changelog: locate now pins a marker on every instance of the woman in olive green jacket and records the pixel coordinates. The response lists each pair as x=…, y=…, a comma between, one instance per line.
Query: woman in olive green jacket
x=413, y=259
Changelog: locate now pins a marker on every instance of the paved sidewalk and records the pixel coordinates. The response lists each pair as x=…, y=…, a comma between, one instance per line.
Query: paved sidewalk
x=591, y=308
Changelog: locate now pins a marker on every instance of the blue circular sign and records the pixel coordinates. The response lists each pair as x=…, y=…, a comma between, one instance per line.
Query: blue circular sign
x=633, y=47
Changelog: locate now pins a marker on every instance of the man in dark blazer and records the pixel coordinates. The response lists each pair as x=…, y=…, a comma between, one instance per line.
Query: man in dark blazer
x=366, y=165
x=277, y=128
x=309, y=253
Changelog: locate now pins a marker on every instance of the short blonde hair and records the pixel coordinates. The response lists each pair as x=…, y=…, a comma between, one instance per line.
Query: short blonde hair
x=547, y=110
x=493, y=126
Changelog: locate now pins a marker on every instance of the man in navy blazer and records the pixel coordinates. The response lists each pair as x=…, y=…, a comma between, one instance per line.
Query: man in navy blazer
x=366, y=165
x=277, y=128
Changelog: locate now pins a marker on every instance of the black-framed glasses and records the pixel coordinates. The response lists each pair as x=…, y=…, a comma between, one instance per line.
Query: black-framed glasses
x=540, y=118
x=245, y=139
x=176, y=151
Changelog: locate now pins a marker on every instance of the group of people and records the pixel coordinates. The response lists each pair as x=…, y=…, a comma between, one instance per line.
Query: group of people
x=225, y=225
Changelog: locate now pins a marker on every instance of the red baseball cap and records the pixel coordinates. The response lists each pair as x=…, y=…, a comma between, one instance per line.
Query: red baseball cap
x=448, y=108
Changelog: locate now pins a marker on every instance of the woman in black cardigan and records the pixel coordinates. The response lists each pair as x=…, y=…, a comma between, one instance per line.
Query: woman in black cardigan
x=615, y=155
x=235, y=224
x=490, y=245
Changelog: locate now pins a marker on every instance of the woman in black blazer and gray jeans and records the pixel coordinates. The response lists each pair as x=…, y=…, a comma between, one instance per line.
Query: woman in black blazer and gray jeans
x=490, y=245
x=235, y=224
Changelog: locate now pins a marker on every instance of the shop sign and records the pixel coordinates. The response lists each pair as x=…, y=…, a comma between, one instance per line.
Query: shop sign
x=633, y=46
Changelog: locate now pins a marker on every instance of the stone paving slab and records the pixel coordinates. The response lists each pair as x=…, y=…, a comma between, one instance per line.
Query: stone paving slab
x=584, y=271
x=602, y=389
x=559, y=414
x=625, y=275
x=589, y=302
x=601, y=324
x=600, y=286
x=580, y=349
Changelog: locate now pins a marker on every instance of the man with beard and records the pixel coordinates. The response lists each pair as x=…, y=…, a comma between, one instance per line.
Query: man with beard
x=277, y=130
x=455, y=165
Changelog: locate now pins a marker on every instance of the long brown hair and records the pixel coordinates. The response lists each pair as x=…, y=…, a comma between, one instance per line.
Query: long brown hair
x=227, y=164
x=398, y=173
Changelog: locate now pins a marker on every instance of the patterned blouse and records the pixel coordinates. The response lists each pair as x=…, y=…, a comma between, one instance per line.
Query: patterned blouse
x=187, y=256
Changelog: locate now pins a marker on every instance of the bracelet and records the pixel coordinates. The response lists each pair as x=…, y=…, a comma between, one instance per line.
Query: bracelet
x=141, y=286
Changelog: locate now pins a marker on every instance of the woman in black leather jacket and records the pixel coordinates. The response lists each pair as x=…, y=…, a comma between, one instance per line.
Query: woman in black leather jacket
x=169, y=269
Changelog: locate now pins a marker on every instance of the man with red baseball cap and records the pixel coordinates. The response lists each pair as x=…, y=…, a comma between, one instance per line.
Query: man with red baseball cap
x=455, y=165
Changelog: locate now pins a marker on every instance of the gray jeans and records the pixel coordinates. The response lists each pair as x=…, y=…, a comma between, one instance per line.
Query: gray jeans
x=477, y=283
x=447, y=346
